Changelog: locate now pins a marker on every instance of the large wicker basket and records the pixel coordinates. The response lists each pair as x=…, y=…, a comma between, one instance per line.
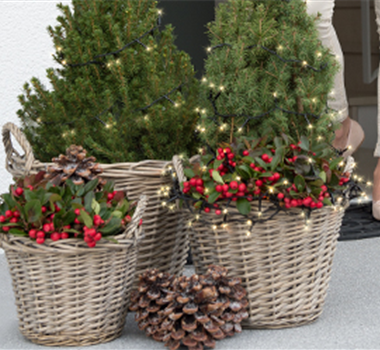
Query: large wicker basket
x=285, y=265
x=165, y=245
x=68, y=294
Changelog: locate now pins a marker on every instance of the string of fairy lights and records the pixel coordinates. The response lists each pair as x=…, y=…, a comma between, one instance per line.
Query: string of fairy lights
x=266, y=208
x=94, y=60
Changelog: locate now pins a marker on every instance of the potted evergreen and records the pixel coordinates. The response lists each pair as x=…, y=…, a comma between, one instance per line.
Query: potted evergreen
x=124, y=91
x=268, y=193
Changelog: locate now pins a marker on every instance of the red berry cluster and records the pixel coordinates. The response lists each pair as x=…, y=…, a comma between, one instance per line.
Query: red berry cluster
x=45, y=227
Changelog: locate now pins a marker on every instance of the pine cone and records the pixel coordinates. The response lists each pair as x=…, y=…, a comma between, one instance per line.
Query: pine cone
x=75, y=166
x=198, y=311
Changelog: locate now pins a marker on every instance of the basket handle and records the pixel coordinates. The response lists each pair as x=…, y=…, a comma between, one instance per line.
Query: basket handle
x=178, y=166
x=8, y=129
x=134, y=229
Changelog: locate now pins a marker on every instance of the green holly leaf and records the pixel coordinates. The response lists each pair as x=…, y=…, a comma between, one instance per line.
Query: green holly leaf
x=85, y=218
x=216, y=176
x=17, y=232
x=322, y=176
x=305, y=144
x=243, y=206
x=33, y=210
x=213, y=197
x=300, y=183
x=112, y=226
x=95, y=206
x=189, y=173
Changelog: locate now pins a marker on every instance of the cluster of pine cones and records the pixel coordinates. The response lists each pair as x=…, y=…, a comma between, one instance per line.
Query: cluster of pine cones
x=192, y=311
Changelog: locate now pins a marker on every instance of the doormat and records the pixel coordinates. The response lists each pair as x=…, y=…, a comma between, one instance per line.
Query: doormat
x=358, y=223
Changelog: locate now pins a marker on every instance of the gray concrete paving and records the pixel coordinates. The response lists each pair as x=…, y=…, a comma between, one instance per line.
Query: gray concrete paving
x=351, y=317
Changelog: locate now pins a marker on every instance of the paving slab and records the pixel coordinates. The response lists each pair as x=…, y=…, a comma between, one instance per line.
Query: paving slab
x=350, y=320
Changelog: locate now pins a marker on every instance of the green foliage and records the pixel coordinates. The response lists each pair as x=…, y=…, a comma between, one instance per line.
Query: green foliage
x=265, y=58
x=103, y=106
x=287, y=172
x=33, y=205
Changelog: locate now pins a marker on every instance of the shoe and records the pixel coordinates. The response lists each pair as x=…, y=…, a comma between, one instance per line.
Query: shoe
x=354, y=140
x=376, y=210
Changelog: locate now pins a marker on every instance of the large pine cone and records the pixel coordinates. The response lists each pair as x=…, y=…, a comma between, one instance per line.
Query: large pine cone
x=194, y=311
x=75, y=166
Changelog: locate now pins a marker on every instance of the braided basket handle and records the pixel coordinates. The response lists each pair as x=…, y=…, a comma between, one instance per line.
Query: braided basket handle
x=11, y=153
x=178, y=166
x=134, y=229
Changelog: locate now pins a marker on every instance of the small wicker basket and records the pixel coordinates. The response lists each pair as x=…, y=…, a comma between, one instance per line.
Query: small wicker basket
x=284, y=265
x=68, y=294
x=165, y=245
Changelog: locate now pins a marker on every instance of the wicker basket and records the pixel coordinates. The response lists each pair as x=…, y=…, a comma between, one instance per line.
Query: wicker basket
x=165, y=245
x=68, y=294
x=284, y=265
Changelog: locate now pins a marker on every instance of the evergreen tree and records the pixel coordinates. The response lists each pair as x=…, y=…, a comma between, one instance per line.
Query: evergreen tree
x=266, y=72
x=123, y=90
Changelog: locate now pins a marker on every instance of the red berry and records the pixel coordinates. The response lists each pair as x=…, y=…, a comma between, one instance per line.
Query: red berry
x=64, y=235
x=280, y=196
x=40, y=240
x=57, y=208
x=259, y=183
x=252, y=165
x=98, y=236
x=55, y=236
x=220, y=150
x=265, y=157
x=200, y=189
x=219, y=157
x=230, y=156
x=234, y=185
x=312, y=205
x=19, y=191
x=240, y=194
x=140, y=222
x=91, y=244
x=46, y=227
x=295, y=158
x=76, y=221
x=294, y=202
x=30, y=187
x=276, y=176
x=2, y=218
x=43, y=209
x=287, y=200
x=319, y=205
x=9, y=213
x=77, y=211
x=6, y=228
x=288, y=205
x=324, y=188
x=271, y=178
x=193, y=181
x=227, y=150
x=290, y=160
x=218, y=212
x=219, y=188
x=225, y=188
x=245, y=153
x=207, y=210
x=229, y=195
x=186, y=184
x=199, y=182
x=40, y=234
x=110, y=196
x=257, y=192
x=292, y=146
x=242, y=187
x=91, y=232
x=32, y=233
x=307, y=201
x=13, y=220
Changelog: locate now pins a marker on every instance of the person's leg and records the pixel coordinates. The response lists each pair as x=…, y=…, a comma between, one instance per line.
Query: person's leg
x=350, y=131
x=376, y=174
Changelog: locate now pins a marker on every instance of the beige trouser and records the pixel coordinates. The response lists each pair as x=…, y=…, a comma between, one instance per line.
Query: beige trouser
x=329, y=39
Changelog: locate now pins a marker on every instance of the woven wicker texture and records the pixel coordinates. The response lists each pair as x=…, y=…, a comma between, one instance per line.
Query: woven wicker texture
x=165, y=245
x=284, y=267
x=68, y=294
